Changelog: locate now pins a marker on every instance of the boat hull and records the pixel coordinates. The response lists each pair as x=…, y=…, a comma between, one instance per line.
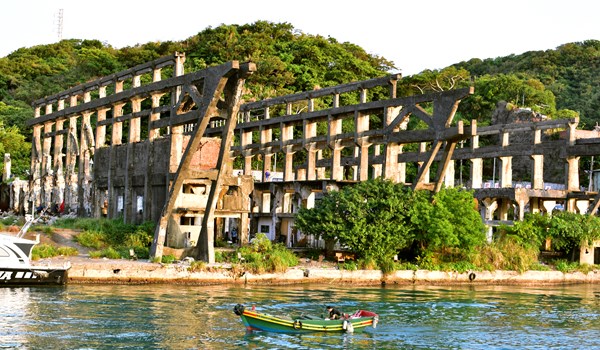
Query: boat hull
x=263, y=322
x=32, y=275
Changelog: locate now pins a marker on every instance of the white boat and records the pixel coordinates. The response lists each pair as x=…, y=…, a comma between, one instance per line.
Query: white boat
x=16, y=267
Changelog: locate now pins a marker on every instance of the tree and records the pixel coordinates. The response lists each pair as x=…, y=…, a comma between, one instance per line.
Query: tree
x=449, y=219
x=370, y=218
x=518, y=90
x=12, y=142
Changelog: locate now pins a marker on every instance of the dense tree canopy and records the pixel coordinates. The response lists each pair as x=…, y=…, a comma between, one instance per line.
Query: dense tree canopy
x=378, y=218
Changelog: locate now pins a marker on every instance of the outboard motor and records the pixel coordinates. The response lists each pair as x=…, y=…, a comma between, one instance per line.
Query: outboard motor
x=239, y=309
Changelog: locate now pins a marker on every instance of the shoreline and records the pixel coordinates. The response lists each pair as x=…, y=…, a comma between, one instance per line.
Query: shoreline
x=107, y=271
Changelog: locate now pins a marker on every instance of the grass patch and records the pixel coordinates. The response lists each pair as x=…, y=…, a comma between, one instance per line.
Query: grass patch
x=109, y=253
x=111, y=238
x=168, y=259
x=263, y=256
x=42, y=251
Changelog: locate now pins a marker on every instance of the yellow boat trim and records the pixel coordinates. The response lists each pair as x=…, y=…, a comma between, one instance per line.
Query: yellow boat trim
x=290, y=323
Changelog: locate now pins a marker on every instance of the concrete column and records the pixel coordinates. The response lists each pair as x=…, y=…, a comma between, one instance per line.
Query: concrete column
x=504, y=209
x=117, y=127
x=311, y=162
x=320, y=169
x=364, y=163
x=392, y=149
x=450, y=174
x=101, y=116
x=423, y=149
x=538, y=172
x=85, y=170
x=135, y=123
x=521, y=208
x=154, y=133
x=572, y=174
x=505, y=172
x=288, y=171
x=390, y=161
x=377, y=168
x=582, y=206
x=476, y=163
x=476, y=172
x=505, y=163
x=490, y=204
x=335, y=128
x=337, y=170
x=355, y=167
x=47, y=171
x=549, y=206
x=71, y=191
x=245, y=140
x=244, y=229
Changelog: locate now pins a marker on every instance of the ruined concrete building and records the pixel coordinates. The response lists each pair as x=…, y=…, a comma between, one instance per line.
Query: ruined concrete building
x=153, y=143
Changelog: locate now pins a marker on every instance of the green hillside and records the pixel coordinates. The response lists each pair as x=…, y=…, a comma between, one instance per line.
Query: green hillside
x=558, y=83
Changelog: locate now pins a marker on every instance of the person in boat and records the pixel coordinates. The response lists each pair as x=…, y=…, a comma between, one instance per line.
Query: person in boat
x=334, y=313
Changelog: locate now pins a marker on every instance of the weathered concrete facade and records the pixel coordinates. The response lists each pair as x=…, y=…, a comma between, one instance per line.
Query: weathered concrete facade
x=145, y=148
x=132, y=145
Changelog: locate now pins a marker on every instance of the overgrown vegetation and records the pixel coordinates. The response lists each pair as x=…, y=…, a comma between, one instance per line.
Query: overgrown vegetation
x=42, y=251
x=111, y=238
x=262, y=256
x=378, y=219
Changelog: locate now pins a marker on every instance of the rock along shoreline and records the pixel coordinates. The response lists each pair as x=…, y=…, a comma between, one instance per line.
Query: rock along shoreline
x=107, y=271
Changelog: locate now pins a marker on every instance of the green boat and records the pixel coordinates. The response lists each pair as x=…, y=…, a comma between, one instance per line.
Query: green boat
x=254, y=320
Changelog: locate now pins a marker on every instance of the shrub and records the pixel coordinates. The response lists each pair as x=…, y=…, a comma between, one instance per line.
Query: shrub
x=348, y=265
x=168, y=259
x=566, y=266
x=109, y=253
x=91, y=239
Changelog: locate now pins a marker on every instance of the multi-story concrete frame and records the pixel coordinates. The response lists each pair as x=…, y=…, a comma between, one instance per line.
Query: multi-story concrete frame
x=89, y=168
x=323, y=139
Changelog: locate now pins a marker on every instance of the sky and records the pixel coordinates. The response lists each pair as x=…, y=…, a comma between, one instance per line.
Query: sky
x=416, y=35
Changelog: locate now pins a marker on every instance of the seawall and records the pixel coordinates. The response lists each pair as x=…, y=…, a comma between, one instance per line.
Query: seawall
x=89, y=271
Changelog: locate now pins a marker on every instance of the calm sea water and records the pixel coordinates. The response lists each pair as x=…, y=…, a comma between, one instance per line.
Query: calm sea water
x=201, y=317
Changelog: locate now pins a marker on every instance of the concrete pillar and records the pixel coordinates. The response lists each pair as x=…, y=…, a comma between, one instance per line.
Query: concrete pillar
x=154, y=133
x=505, y=172
x=505, y=163
x=335, y=128
x=101, y=116
x=117, y=127
x=377, y=168
x=337, y=170
x=310, y=131
x=390, y=161
x=364, y=162
x=450, y=174
x=311, y=162
x=47, y=171
x=476, y=163
x=320, y=169
x=423, y=149
x=549, y=206
x=582, y=206
x=490, y=205
x=572, y=174
x=71, y=176
x=288, y=171
x=244, y=228
x=538, y=172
